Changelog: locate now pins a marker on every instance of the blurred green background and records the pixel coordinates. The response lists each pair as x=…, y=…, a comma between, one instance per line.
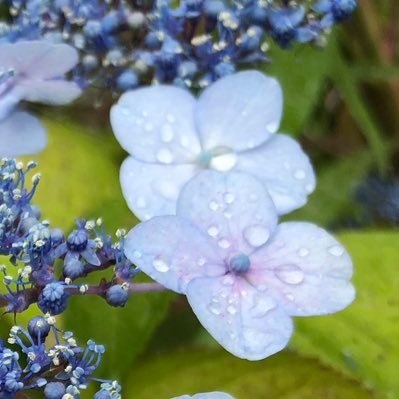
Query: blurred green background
x=342, y=103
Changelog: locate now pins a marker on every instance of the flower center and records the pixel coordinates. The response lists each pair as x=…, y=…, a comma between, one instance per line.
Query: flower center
x=240, y=263
x=222, y=159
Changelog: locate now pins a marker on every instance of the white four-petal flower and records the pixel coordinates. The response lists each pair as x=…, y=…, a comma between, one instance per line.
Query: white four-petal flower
x=172, y=136
x=244, y=275
x=31, y=71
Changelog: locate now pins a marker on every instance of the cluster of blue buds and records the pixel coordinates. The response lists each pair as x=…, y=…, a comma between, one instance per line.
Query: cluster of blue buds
x=190, y=42
x=60, y=370
x=49, y=261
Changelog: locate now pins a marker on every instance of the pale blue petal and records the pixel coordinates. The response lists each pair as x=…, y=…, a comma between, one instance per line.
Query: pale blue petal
x=152, y=189
x=172, y=251
x=54, y=92
x=209, y=395
x=8, y=102
x=284, y=168
x=38, y=59
x=239, y=112
x=156, y=124
x=233, y=209
x=247, y=323
x=21, y=134
x=305, y=268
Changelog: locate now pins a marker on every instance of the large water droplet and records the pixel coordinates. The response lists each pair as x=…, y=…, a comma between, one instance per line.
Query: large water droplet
x=262, y=305
x=213, y=231
x=160, y=265
x=201, y=262
x=336, y=250
x=164, y=156
x=224, y=243
x=137, y=254
x=289, y=274
x=213, y=206
x=167, y=133
x=215, y=309
x=224, y=163
x=256, y=235
x=272, y=127
x=299, y=174
x=231, y=309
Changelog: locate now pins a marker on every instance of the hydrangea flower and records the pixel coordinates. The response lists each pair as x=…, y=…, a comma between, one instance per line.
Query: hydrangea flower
x=209, y=395
x=31, y=71
x=243, y=275
x=171, y=137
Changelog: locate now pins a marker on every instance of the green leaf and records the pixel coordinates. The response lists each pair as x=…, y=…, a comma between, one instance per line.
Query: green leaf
x=285, y=376
x=362, y=341
x=293, y=69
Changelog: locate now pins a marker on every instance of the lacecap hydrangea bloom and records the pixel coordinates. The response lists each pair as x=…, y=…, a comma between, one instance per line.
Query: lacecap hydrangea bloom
x=31, y=71
x=243, y=275
x=172, y=136
x=209, y=395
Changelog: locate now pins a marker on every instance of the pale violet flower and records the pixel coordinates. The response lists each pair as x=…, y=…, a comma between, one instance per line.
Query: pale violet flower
x=31, y=71
x=244, y=275
x=172, y=136
x=209, y=395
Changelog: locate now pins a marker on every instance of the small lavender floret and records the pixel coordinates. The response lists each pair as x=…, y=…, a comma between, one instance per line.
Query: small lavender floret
x=117, y=295
x=54, y=390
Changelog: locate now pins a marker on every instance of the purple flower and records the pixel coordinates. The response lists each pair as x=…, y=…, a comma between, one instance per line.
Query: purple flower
x=209, y=395
x=171, y=137
x=31, y=71
x=244, y=275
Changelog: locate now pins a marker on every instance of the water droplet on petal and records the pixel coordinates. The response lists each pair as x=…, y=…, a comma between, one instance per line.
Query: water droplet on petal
x=231, y=309
x=272, y=127
x=165, y=156
x=201, y=262
x=167, y=133
x=141, y=202
x=309, y=188
x=184, y=141
x=213, y=231
x=137, y=254
x=262, y=306
x=214, y=308
x=223, y=243
x=166, y=189
x=289, y=274
x=228, y=215
x=213, y=206
x=229, y=198
x=170, y=118
x=302, y=252
x=125, y=111
x=299, y=174
x=224, y=163
x=160, y=265
x=228, y=280
x=256, y=235
x=336, y=250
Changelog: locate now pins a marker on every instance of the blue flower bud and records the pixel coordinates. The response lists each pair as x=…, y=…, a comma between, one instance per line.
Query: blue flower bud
x=77, y=240
x=54, y=390
x=38, y=326
x=127, y=80
x=117, y=295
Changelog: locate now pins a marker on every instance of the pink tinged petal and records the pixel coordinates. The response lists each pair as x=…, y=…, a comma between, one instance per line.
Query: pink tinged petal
x=233, y=209
x=152, y=189
x=239, y=112
x=55, y=92
x=38, y=59
x=155, y=124
x=172, y=251
x=247, y=323
x=21, y=134
x=306, y=268
x=285, y=170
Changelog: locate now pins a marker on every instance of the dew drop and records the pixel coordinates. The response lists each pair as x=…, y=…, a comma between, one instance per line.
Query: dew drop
x=160, y=265
x=167, y=133
x=262, y=306
x=165, y=156
x=299, y=174
x=215, y=309
x=137, y=254
x=309, y=188
x=213, y=206
x=272, y=127
x=213, y=231
x=256, y=235
x=166, y=189
x=229, y=198
x=141, y=202
x=336, y=250
x=201, y=262
x=228, y=280
x=302, y=252
x=184, y=141
x=231, y=309
x=223, y=243
x=289, y=274
x=224, y=163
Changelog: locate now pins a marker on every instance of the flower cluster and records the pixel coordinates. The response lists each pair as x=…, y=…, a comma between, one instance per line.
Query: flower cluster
x=210, y=177
x=37, y=248
x=194, y=42
x=210, y=395
x=60, y=370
